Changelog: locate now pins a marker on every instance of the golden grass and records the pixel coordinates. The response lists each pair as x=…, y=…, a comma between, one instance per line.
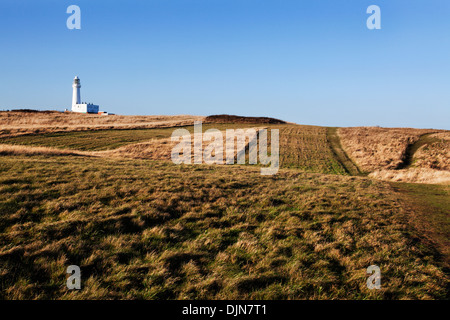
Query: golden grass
x=303, y=147
x=20, y=123
x=435, y=155
x=399, y=154
x=416, y=175
x=6, y=149
x=161, y=149
x=98, y=140
x=373, y=148
x=143, y=229
x=155, y=149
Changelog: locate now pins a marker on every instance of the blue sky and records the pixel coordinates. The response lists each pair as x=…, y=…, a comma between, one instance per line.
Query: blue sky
x=311, y=62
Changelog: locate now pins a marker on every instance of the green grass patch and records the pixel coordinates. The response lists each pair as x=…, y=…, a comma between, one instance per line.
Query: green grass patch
x=430, y=213
x=143, y=229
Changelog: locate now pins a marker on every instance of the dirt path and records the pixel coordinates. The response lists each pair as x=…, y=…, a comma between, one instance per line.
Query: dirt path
x=427, y=209
x=412, y=148
x=339, y=153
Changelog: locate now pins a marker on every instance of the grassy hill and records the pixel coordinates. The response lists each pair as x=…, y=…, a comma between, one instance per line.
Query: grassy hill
x=302, y=147
x=150, y=229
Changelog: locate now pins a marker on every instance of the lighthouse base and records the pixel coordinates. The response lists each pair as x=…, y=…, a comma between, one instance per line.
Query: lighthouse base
x=85, y=108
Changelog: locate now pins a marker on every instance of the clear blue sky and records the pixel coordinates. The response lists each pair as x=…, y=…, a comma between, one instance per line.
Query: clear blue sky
x=307, y=61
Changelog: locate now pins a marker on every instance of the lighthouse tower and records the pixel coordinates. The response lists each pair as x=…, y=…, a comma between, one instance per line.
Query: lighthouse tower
x=77, y=105
x=76, y=97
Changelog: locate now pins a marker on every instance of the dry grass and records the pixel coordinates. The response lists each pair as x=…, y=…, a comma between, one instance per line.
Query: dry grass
x=307, y=148
x=155, y=149
x=374, y=148
x=302, y=147
x=416, y=175
x=107, y=139
x=436, y=154
x=31, y=151
x=428, y=208
x=161, y=149
x=144, y=229
x=20, y=123
x=402, y=155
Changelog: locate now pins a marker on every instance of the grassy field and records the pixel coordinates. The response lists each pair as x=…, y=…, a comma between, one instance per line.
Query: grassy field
x=155, y=230
x=301, y=147
x=307, y=148
x=105, y=139
x=14, y=123
x=429, y=208
x=432, y=151
x=399, y=154
x=149, y=229
x=340, y=154
x=374, y=148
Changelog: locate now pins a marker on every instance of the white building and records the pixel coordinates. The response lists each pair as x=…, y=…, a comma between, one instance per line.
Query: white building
x=77, y=105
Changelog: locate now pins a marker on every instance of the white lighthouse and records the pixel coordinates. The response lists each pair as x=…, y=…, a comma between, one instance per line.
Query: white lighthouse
x=77, y=105
x=76, y=97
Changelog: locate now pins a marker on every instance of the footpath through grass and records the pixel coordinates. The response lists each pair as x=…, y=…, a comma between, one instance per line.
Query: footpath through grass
x=155, y=230
x=429, y=214
x=301, y=147
x=339, y=153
